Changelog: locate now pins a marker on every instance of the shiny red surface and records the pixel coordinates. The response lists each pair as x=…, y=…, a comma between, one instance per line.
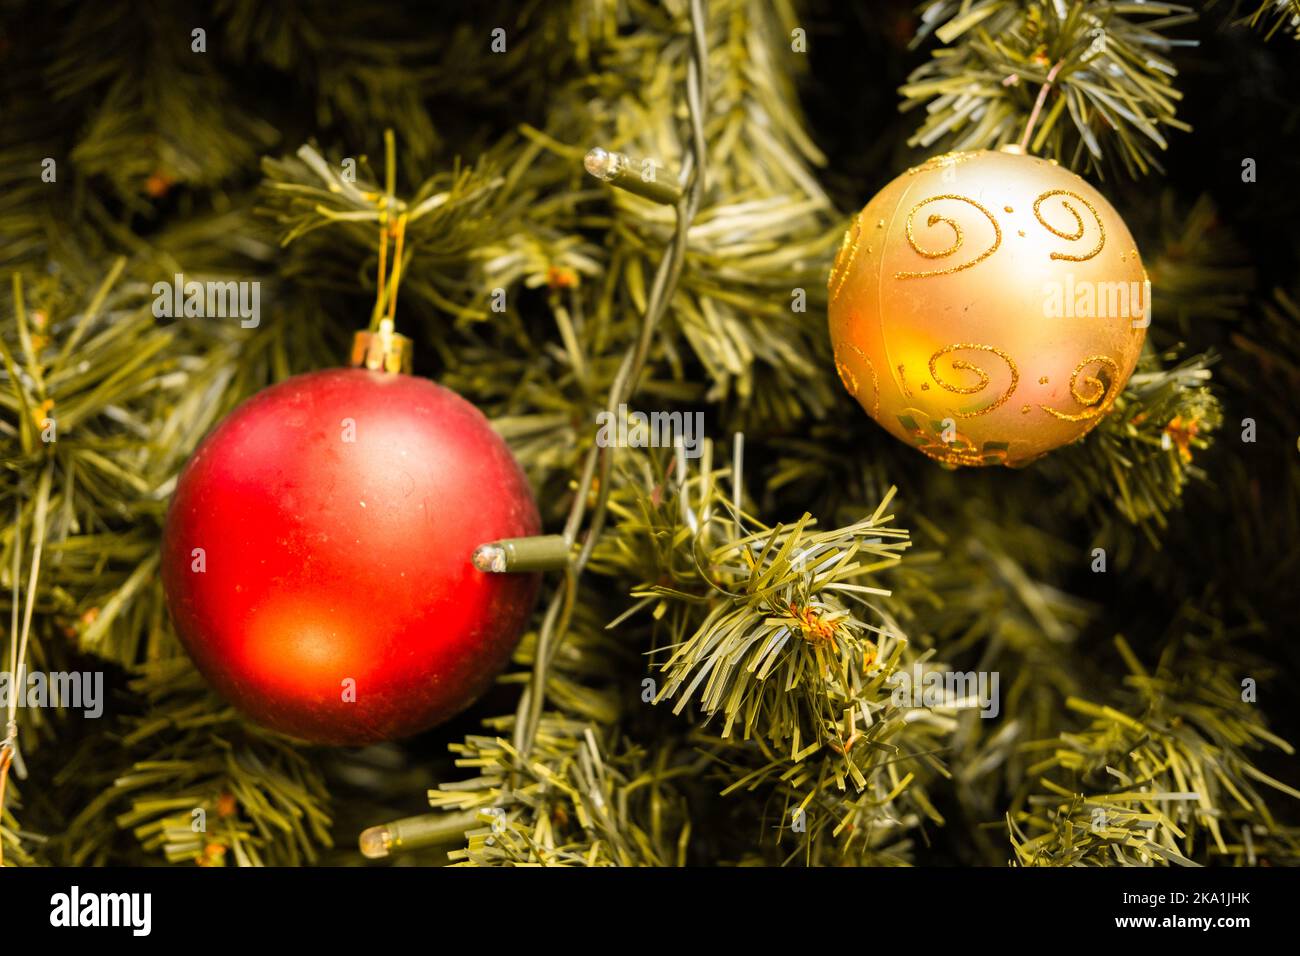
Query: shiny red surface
x=329, y=560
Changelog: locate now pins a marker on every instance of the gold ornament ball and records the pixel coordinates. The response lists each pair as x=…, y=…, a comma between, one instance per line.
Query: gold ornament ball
x=987, y=307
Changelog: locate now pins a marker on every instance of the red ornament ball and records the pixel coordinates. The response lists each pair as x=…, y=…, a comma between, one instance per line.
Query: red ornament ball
x=317, y=556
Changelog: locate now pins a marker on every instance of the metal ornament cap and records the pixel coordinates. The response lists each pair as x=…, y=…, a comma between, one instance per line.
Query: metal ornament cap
x=383, y=350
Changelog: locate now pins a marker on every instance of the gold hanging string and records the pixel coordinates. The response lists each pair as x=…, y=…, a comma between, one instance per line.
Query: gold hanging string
x=379, y=347
x=383, y=269
x=399, y=236
x=392, y=215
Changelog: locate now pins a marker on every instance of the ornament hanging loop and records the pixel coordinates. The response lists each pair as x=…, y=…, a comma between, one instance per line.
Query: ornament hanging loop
x=380, y=348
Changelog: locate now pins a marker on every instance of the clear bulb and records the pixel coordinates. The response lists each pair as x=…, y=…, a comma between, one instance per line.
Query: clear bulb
x=490, y=557
x=376, y=842
x=602, y=164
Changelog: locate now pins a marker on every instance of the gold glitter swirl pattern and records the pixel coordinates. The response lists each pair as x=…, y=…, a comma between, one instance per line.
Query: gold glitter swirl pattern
x=1095, y=403
x=844, y=259
x=1078, y=223
x=951, y=449
x=847, y=377
x=952, y=457
x=958, y=237
x=963, y=365
x=851, y=381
